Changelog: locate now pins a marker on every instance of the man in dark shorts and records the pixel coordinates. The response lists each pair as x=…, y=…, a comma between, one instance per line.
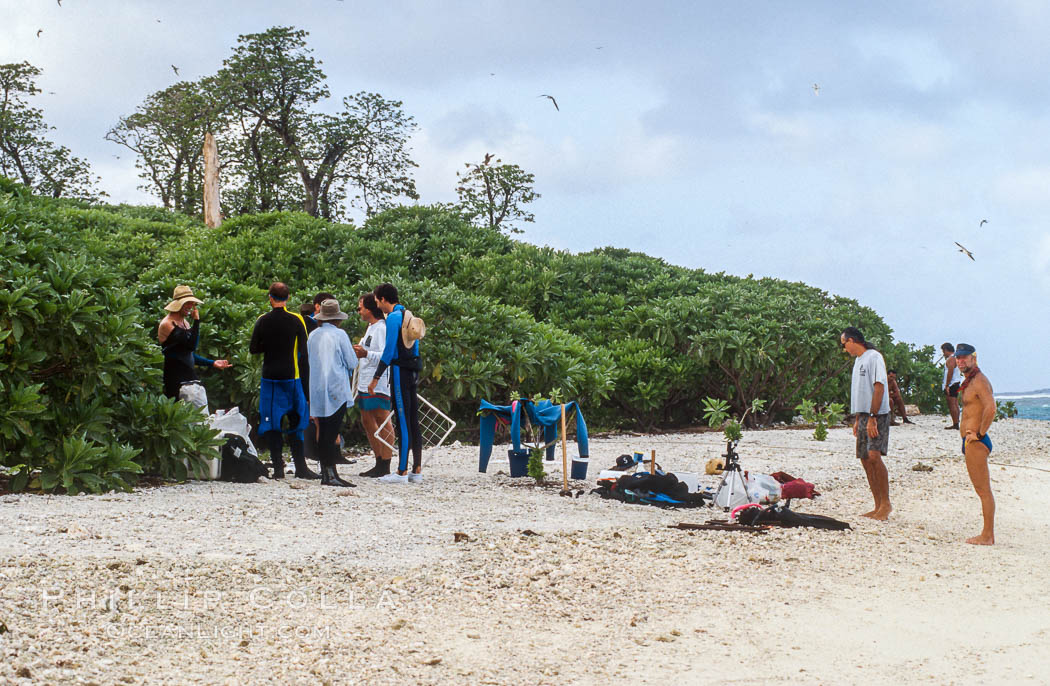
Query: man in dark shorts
x=952, y=379
x=869, y=401
x=978, y=413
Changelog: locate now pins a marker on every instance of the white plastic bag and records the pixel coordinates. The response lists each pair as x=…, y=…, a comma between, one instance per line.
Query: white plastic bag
x=193, y=393
x=763, y=488
x=755, y=488
x=233, y=422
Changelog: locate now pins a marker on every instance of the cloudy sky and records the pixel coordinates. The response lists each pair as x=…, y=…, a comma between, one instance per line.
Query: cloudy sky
x=688, y=130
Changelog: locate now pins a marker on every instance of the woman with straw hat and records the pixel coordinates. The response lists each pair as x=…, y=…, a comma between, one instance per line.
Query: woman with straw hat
x=178, y=341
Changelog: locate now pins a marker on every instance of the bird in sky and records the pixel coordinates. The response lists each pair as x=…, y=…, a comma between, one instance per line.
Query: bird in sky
x=551, y=98
x=488, y=157
x=176, y=69
x=965, y=251
x=983, y=222
x=39, y=32
x=816, y=89
x=59, y=3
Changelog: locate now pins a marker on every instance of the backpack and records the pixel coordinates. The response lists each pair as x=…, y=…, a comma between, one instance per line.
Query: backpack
x=237, y=464
x=412, y=329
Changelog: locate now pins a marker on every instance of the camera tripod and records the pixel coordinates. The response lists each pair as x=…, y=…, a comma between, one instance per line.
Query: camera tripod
x=732, y=483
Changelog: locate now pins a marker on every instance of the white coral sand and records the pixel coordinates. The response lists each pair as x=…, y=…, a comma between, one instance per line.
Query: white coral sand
x=291, y=582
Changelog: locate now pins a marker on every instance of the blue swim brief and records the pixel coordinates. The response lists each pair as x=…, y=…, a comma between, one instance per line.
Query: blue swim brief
x=987, y=442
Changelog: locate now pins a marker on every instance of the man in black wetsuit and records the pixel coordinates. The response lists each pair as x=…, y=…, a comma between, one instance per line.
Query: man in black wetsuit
x=280, y=337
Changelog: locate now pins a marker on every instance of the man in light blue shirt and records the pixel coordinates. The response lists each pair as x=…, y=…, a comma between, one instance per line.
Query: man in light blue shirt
x=332, y=362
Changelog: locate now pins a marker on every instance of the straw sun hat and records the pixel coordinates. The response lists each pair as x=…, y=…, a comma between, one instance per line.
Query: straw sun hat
x=181, y=296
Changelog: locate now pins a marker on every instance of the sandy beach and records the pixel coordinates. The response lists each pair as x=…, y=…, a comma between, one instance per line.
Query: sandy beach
x=289, y=582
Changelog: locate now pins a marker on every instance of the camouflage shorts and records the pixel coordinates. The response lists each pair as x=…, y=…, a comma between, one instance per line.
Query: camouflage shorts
x=866, y=444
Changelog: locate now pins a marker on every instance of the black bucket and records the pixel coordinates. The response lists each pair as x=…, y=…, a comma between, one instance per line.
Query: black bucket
x=519, y=462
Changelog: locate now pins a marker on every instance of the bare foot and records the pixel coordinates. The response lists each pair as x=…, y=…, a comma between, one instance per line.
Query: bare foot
x=879, y=515
x=981, y=540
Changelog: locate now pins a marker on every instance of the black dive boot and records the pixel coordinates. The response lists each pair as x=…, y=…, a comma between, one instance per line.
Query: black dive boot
x=278, y=468
x=382, y=468
x=373, y=472
x=304, y=472
x=330, y=477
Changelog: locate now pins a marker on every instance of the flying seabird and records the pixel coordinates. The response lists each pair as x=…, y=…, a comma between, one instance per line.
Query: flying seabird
x=39, y=32
x=965, y=251
x=488, y=157
x=983, y=222
x=816, y=89
x=551, y=97
x=176, y=69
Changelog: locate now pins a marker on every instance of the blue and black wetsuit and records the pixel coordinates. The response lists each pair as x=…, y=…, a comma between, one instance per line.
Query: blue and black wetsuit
x=404, y=367
x=180, y=358
x=280, y=337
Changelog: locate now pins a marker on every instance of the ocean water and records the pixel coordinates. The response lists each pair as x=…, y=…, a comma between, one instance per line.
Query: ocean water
x=1034, y=406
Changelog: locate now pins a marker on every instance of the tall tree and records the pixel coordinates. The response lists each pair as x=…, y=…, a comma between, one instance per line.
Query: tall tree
x=167, y=134
x=273, y=77
x=377, y=164
x=25, y=152
x=261, y=176
x=494, y=195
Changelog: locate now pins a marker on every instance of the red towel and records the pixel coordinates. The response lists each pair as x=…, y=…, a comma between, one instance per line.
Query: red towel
x=797, y=488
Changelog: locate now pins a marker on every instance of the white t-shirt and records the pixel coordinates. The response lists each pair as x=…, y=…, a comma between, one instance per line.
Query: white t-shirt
x=373, y=341
x=957, y=375
x=868, y=370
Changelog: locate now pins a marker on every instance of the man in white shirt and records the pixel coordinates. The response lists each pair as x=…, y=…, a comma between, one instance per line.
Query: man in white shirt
x=953, y=378
x=870, y=402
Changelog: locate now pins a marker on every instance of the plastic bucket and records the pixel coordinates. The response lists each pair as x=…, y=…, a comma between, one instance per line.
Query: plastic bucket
x=579, y=468
x=519, y=462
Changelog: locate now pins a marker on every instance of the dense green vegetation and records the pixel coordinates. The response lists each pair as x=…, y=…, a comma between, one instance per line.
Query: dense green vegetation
x=638, y=341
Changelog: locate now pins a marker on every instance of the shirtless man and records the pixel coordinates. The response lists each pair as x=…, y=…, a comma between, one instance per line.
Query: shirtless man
x=896, y=399
x=977, y=416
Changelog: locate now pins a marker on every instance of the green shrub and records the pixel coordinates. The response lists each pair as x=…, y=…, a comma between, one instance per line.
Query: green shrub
x=824, y=417
x=1005, y=409
x=639, y=342
x=72, y=351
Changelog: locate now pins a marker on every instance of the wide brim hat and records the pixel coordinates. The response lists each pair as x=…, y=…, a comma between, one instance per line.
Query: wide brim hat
x=181, y=296
x=330, y=312
x=412, y=328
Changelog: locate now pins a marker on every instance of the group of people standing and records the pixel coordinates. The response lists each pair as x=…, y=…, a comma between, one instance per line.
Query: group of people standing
x=308, y=365
x=869, y=403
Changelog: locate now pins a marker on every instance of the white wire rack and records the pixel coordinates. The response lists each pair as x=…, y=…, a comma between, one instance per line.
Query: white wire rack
x=435, y=425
